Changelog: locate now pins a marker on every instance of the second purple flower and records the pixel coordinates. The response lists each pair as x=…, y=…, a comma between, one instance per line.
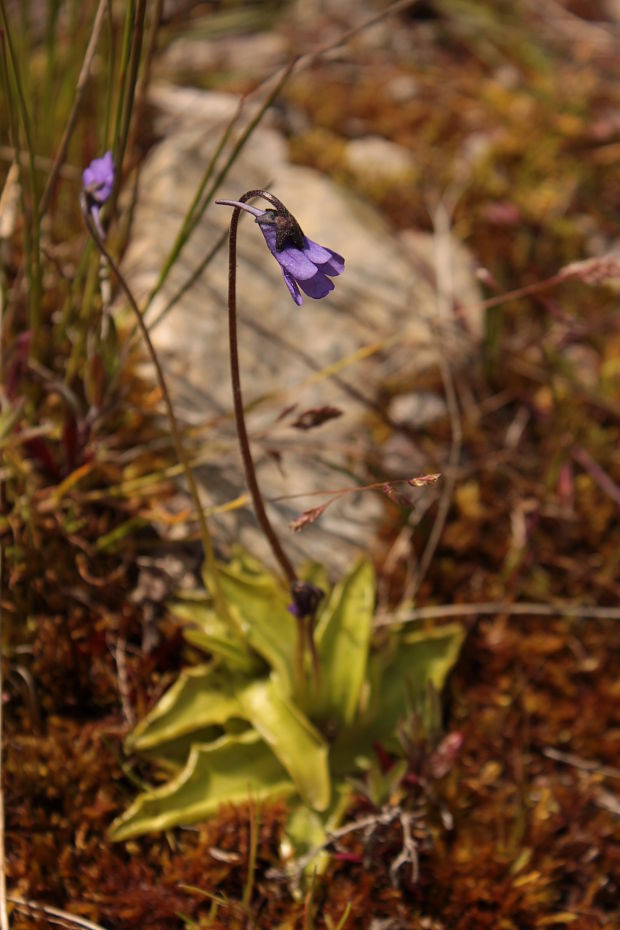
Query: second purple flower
x=97, y=185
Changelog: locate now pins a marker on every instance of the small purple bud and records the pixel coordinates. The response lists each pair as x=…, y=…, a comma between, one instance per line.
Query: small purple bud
x=306, y=599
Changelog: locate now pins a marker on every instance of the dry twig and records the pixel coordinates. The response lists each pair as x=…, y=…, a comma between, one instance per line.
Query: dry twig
x=56, y=915
x=441, y=217
x=367, y=825
x=499, y=607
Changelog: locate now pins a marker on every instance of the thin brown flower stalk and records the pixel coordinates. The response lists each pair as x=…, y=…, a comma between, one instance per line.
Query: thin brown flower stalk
x=211, y=568
x=242, y=434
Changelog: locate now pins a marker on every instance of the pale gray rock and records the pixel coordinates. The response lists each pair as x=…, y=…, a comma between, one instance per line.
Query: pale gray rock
x=379, y=159
x=417, y=409
x=379, y=323
x=253, y=55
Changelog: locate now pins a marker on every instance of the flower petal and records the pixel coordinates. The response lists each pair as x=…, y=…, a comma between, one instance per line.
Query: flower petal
x=269, y=232
x=296, y=264
x=293, y=260
x=291, y=283
x=315, y=252
x=334, y=266
x=318, y=286
x=108, y=164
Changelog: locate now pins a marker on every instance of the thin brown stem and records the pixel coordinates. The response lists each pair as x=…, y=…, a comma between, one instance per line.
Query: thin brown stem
x=28, y=907
x=211, y=568
x=445, y=287
x=491, y=608
x=524, y=291
x=244, y=443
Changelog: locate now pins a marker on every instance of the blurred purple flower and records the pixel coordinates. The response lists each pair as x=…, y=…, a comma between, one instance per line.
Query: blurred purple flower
x=98, y=183
x=306, y=599
x=304, y=263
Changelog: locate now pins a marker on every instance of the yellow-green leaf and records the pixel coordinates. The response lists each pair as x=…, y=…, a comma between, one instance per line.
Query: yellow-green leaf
x=204, y=629
x=261, y=604
x=231, y=770
x=298, y=745
x=397, y=673
x=342, y=638
x=403, y=672
x=201, y=697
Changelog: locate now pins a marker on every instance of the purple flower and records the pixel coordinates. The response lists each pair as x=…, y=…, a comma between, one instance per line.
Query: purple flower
x=98, y=182
x=98, y=178
x=306, y=599
x=304, y=263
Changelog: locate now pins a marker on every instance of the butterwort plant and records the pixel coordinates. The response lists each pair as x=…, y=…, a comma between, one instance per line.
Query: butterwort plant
x=246, y=721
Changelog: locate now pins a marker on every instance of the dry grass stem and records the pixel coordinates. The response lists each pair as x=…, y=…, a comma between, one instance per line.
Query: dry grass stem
x=80, y=87
x=441, y=218
x=492, y=608
x=56, y=915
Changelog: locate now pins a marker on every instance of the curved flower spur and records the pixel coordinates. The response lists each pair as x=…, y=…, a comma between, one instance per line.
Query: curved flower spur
x=305, y=264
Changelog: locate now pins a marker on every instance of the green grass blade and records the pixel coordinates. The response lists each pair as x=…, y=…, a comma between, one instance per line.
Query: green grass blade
x=198, y=206
x=80, y=88
x=122, y=87
x=130, y=82
x=34, y=265
x=188, y=224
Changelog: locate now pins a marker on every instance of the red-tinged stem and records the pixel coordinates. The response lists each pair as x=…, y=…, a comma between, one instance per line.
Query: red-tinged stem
x=244, y=443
